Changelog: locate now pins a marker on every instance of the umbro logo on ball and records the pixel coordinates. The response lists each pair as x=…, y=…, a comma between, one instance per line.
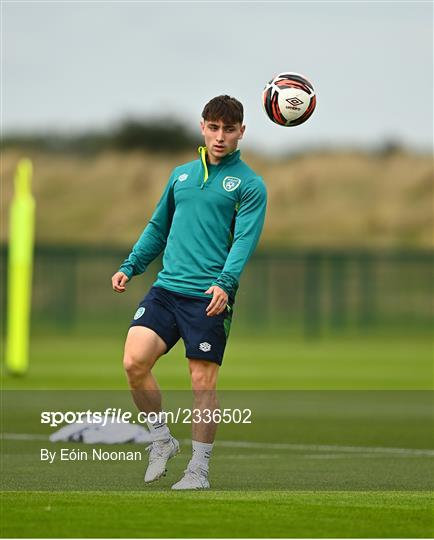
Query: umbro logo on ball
x=294, y=101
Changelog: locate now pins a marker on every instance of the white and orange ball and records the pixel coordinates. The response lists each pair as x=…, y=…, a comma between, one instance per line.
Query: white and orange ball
x=289, y=99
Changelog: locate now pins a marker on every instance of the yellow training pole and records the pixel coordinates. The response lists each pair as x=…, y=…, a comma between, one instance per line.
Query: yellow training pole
x=21, y=234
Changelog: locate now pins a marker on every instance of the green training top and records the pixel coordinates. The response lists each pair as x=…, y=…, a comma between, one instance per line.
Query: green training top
x=208, y=222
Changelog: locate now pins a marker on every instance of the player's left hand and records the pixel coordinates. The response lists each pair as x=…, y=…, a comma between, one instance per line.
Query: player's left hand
x=219, y=301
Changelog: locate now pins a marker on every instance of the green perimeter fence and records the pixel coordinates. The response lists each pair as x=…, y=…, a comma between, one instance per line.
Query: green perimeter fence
x=311, y=293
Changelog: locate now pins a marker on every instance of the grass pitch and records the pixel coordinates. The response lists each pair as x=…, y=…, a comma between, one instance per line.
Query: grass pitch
x=253, y=362
x=325, y=463
x=217, y=514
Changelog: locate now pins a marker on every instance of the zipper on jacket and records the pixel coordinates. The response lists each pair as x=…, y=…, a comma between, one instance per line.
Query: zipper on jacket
x=202, y=153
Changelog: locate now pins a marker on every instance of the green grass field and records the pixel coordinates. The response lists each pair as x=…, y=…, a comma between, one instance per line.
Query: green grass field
x=216, y=514
x=397, y=362
x=340, y=444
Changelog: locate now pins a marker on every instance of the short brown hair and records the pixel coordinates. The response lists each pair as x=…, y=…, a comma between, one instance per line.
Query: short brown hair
x=225, y=108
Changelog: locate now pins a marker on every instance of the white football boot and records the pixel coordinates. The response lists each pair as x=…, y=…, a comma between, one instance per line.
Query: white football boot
x=194, y=478
x=159, y=454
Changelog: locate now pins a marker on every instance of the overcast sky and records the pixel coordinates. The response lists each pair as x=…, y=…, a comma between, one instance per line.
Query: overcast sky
x=68, y=65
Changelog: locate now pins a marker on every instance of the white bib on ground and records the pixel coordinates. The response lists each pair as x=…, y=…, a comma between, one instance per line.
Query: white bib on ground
x=93, y=433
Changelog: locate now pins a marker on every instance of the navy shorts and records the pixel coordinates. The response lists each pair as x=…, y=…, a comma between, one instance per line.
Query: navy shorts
x=172, y=316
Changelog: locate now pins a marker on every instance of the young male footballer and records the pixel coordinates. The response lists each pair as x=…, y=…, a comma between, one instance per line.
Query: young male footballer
x=207, y=223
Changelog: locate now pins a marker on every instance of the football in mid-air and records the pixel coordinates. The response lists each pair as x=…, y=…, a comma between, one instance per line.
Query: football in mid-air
x=289, y=99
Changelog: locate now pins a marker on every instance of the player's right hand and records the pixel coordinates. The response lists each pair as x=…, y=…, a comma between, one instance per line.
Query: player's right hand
x=118, y=281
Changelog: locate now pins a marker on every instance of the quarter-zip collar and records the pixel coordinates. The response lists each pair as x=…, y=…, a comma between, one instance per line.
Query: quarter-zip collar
x=227, y=160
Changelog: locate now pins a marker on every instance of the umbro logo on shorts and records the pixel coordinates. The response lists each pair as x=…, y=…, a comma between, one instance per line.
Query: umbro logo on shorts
x=205, y=347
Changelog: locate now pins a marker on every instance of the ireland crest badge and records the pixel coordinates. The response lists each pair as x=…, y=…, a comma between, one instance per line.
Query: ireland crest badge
x=230, y=183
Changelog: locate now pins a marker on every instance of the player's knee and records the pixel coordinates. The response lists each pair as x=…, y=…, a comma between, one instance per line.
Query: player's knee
x=136, y=368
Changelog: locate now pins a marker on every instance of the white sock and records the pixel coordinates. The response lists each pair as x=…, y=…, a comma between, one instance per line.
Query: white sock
x=159, y=430
x=201, y=454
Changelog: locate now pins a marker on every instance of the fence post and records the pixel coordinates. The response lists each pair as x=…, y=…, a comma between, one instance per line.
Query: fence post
x=63, y=295
x=312, y=295
x=338, y=290
x=71, y=289
x=366, y=315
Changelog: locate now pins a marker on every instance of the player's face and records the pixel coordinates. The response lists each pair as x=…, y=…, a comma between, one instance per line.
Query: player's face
x=220, y=138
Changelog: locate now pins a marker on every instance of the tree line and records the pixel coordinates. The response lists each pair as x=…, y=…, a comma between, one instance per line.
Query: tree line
x=158, y=135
